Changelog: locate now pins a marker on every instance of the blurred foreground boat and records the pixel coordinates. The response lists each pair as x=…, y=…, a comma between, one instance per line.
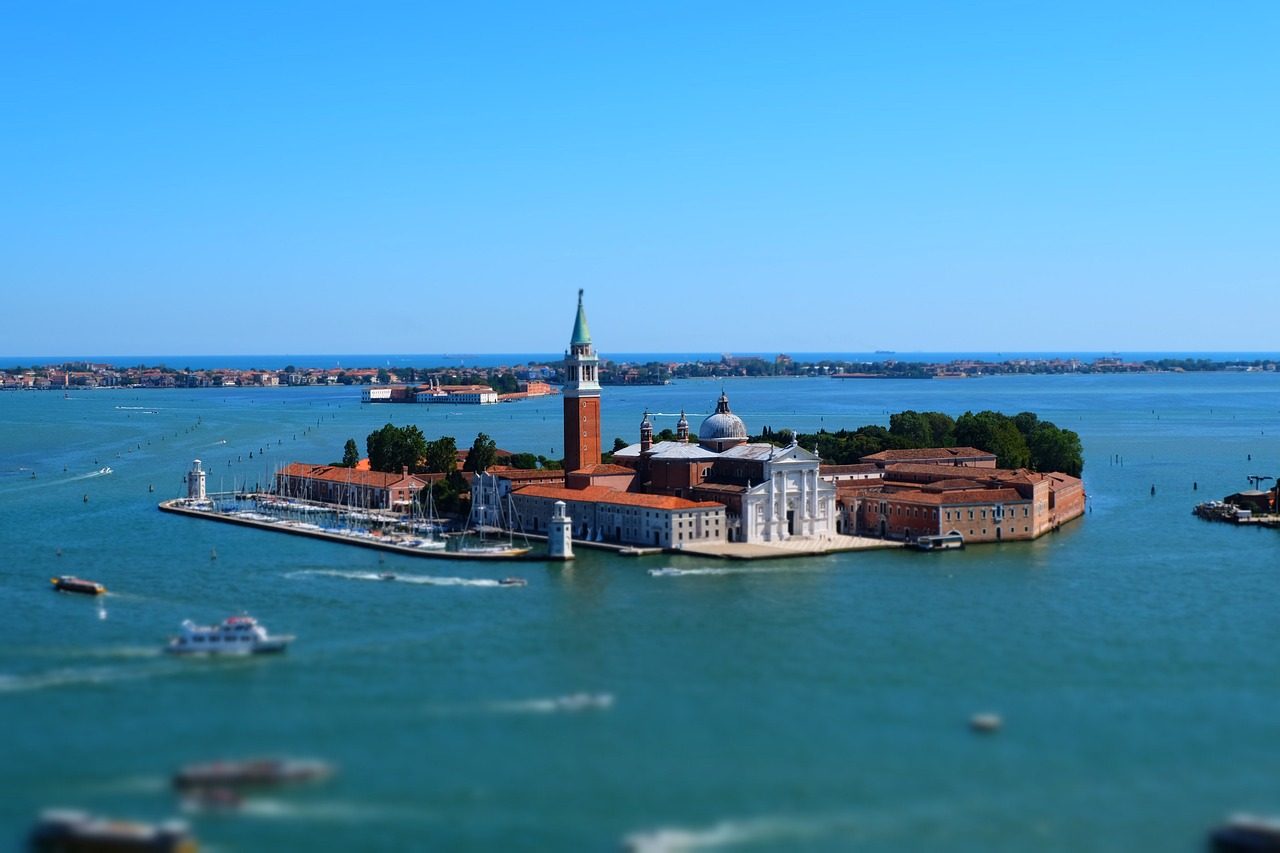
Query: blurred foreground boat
x=68, y=831
x=1246, y=834
x=228, y=775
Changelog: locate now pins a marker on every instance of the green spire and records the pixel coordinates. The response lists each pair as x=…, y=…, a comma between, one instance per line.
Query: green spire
x=581, y=334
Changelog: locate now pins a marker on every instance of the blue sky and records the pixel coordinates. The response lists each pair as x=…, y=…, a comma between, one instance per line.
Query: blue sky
x=256, y=178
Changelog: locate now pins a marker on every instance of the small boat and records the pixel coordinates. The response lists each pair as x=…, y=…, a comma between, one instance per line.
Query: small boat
x=67, y=830
x=69, y=583
x=513, y=582
x=1246, y=834
x=940, y=542
x=255, y=772
x=986, y=723
x=387, y=576
x=237, y=635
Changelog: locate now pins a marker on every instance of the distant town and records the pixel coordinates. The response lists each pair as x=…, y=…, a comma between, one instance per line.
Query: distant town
x=513, y=381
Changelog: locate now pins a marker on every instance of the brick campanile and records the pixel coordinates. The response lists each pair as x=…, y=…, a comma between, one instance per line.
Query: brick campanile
x=581, y=397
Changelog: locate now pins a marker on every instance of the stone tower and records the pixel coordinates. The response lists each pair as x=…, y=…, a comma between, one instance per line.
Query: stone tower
x=195, y=482
x=559, y=543
x=581, y=397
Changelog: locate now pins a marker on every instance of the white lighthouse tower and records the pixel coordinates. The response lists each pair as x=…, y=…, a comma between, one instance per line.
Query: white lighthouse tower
x=559, y=542
x=195, y=482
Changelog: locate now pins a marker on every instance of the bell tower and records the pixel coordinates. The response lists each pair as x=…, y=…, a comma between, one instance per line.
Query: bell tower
x=581, y=397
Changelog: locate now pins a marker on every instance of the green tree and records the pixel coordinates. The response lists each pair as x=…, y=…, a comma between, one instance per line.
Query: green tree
x=994, y=433
x=350, y=454
x=383, y=376
x=441, y=455
x=483, y=455
x=912, y=427
x=393, y=448
x=526, y=461
x=1056, y=449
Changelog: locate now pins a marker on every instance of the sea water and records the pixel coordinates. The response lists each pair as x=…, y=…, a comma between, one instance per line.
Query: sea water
x=663, y=702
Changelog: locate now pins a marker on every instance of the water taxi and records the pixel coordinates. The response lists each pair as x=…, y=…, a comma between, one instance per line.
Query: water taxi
x=236, y=635
x=70, y=583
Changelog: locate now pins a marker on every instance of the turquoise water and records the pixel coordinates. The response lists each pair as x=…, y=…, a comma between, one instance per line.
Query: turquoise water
x=811, y=704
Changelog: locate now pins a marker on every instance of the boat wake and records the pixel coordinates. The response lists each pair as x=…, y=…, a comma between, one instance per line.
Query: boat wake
x=133, y=785
x=387, y=577
x=571, y=703
x=262, y=807
x=78, y=677
x=774, y=831
x=101, y=472
x=673, y=572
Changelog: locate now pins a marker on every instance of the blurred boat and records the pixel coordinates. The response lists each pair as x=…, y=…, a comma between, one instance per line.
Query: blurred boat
x=229, y=775
x=70, y=583
x=513, y=582
x=216, y=799
x=237, y=635
x=387, y=576
x=1246, y=834
x=68, y=831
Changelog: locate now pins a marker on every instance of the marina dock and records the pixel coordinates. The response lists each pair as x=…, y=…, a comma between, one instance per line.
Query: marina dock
x=380, y=543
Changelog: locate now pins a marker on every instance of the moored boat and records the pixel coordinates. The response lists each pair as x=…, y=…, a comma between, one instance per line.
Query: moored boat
x=236, y=635
x=939, y=542
x=256, y=772
x=70, y=583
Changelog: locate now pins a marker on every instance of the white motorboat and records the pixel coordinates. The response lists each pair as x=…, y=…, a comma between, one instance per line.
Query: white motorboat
x=236, y=635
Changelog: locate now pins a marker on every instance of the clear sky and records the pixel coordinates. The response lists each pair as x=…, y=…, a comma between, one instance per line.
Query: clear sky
x=220, y=177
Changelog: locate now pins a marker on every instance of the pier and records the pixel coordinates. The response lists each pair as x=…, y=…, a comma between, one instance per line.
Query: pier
x=384, y=542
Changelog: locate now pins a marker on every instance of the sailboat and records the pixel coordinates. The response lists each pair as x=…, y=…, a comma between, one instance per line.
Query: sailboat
x=480, y=545
x=431, y=526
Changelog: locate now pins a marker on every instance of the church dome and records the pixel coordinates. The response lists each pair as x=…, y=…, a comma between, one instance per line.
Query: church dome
x=723, y=427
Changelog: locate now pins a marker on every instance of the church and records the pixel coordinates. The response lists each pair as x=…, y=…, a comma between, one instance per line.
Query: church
x=666, y=494
x=770, y=493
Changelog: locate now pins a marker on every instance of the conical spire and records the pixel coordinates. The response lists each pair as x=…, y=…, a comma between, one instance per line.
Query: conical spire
x=581, y=334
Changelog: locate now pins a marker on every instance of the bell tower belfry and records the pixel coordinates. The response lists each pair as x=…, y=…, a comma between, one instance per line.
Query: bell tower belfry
x=581, y=397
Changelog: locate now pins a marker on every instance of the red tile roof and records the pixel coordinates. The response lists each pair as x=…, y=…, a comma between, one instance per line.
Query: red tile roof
x=516, y=474
x=606, y=495
x=603, y=468
x=928, y=453
x=337, y=474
